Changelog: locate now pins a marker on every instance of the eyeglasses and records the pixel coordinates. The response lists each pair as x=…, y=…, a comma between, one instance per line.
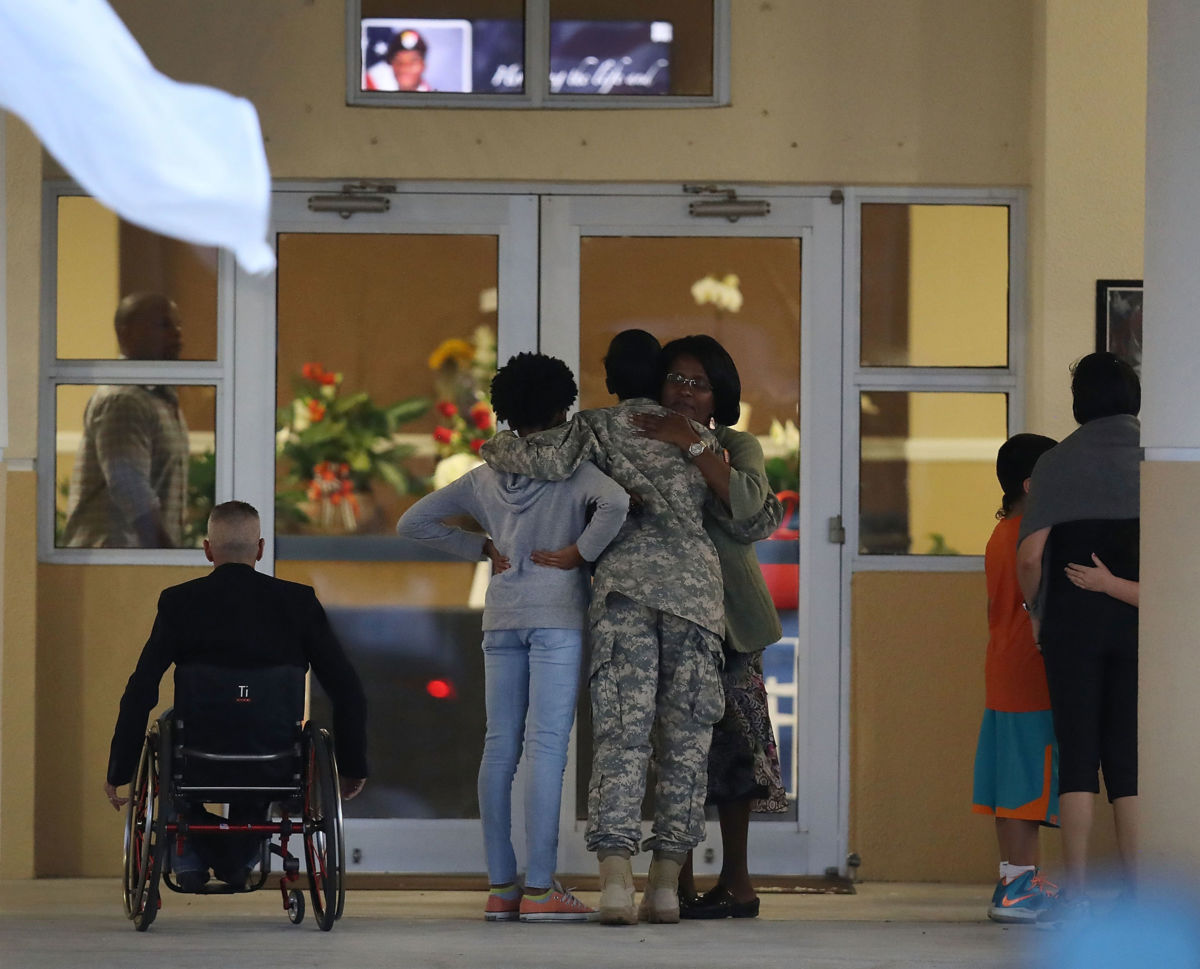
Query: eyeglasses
x=698, y=384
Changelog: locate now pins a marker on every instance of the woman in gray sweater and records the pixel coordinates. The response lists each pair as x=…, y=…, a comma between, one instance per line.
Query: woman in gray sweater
x=539, y=540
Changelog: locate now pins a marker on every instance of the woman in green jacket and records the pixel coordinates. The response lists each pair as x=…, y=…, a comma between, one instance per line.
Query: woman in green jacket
x=701, y=384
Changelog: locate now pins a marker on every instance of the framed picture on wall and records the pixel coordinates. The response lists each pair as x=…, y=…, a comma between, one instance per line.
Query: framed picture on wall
x=1119, y=319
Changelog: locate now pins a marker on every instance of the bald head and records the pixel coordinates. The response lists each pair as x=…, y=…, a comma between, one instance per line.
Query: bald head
x=234, y=534
x=148, y=327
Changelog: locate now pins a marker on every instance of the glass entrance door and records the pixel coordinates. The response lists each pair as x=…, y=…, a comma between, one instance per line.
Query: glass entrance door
x=769, y=288
x=360, y=379
x=370, y=370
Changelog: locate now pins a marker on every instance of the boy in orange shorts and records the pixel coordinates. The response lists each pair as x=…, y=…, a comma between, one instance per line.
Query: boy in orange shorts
x=1016, y=761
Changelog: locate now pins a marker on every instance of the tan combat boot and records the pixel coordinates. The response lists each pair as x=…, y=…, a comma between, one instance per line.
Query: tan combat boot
x=660, y=902
x=616, y=891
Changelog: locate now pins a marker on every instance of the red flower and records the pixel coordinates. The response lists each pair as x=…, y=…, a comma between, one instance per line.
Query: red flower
x=481, y=416
x=447, y=408
x=311, y=371
x=327, y=378
x=316, y=411
x=443, y=435
x=477, y=444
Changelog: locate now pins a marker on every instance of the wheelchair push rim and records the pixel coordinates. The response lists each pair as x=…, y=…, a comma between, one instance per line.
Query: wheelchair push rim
x=324, y=842
x=143, y=845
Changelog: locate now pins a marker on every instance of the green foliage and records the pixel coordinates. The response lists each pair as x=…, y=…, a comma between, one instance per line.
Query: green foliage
x=351, y=437
x=201, y=492
x=783, y=473
x=938, y=545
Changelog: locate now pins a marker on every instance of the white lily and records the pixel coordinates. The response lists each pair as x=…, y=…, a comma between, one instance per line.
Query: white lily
x=452, y=468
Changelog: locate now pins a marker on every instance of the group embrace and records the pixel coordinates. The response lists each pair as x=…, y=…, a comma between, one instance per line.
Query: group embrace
x=636, y=523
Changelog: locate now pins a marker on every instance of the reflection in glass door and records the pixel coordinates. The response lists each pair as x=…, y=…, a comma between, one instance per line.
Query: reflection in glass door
x=764, y=289
x=385, y=340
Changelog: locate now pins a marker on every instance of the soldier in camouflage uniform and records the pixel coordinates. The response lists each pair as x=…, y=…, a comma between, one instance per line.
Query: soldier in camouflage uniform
x=656, y=623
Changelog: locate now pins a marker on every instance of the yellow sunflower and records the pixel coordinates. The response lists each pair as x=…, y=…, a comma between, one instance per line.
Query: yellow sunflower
x=460, y=351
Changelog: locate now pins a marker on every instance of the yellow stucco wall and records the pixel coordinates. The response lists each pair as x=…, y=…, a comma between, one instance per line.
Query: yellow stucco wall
x=822, y=90
x=917, y=92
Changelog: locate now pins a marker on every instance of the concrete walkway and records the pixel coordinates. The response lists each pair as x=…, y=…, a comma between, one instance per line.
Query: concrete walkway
x=81, y=924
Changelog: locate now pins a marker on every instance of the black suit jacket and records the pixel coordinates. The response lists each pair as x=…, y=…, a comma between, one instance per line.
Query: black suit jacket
x=241, y=618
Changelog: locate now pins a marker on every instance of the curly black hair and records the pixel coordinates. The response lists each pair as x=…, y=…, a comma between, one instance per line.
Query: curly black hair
x=531, y=389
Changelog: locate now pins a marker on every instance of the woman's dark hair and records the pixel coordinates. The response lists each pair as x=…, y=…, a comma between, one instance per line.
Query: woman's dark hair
x=631, y=365
x=1104, y=385
x=531, y=389
x=718, y=365
x=1014, y=463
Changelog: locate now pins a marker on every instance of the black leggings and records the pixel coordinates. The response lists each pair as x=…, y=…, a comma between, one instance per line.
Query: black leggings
x=1090, y=645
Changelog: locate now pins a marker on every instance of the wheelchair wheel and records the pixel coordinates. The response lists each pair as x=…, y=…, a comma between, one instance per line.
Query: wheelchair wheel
x=324, y=847
x=295, y=909
x=145, y=844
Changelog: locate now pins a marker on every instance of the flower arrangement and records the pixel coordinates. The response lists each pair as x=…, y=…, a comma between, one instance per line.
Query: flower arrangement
x=463, y=376
x=725, y=294
x=336, y=446
x=783, y=456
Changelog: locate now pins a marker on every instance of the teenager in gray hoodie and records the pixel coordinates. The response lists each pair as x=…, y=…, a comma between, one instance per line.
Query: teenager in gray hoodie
x=540, y=540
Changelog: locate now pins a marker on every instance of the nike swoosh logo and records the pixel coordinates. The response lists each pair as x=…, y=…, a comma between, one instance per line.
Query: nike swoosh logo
x=1007, y=902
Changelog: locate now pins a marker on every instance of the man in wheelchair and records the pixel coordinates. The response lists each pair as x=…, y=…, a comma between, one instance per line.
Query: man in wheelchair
x=237, y=629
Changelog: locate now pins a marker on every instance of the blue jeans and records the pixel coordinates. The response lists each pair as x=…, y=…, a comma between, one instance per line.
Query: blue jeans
x=530, y=673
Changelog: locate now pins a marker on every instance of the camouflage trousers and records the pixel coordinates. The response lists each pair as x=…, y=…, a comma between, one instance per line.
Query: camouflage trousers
x=655, y=686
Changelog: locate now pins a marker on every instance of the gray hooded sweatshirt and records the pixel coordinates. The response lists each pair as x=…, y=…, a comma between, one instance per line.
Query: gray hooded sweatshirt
x=523, y=515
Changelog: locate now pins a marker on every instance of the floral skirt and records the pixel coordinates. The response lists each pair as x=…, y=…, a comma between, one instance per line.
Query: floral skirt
x=743, y=763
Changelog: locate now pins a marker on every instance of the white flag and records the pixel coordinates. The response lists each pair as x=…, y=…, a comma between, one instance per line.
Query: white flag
x=179, y=159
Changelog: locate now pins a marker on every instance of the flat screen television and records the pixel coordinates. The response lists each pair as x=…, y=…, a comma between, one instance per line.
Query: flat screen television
x=486, y=56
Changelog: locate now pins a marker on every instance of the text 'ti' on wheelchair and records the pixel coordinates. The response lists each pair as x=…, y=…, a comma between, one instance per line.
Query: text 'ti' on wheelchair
x=234, y=737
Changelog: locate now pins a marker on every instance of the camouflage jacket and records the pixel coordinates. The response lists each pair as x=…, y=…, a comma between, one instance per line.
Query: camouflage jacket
x=662, y=557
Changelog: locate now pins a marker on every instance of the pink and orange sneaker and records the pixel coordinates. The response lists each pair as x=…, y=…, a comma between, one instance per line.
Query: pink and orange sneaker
x=555, y=905
x=503, y=905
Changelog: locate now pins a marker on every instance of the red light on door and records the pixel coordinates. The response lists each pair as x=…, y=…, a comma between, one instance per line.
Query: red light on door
x=440, y=689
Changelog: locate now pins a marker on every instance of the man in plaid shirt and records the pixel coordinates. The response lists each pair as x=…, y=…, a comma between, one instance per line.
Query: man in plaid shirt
x=129, y=484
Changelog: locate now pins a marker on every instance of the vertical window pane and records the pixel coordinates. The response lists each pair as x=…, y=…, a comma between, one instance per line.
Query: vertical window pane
x=635, y=47
x=744, y=292
x=934, y=285
x=927, y=471
x=373, y=329
x=135, y=466
x=386, y=350
x=475, y=46
x=102, y=259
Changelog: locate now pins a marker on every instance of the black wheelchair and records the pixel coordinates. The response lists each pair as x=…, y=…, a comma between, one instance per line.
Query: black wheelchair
x=235, y=736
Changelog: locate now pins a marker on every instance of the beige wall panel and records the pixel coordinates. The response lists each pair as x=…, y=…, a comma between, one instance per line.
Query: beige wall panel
x=17, y=666
x=92, y=622
x=916, y=701
x=23, y=200
x=1087, y=207
x=1169, y=671
x=823, y=91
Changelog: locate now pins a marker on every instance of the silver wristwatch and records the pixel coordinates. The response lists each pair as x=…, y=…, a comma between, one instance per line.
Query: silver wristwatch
x=695, y=449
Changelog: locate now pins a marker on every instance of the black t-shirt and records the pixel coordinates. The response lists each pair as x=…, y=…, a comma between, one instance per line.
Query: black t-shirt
x=1094, y=620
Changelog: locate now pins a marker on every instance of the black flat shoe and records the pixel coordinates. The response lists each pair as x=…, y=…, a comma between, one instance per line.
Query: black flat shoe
x=687, y=902
x=718, y=903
